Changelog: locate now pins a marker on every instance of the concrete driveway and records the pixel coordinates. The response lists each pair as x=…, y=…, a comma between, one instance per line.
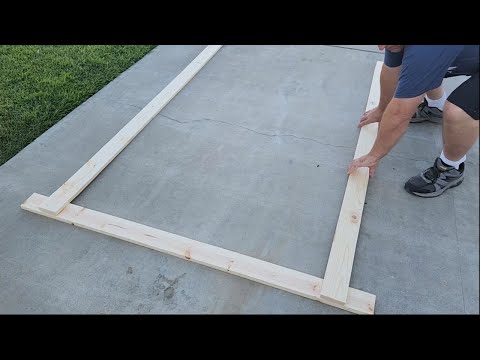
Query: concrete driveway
x=251, y=156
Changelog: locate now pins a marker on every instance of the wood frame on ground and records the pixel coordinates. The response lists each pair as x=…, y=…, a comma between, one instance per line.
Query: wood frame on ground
x=333, y=290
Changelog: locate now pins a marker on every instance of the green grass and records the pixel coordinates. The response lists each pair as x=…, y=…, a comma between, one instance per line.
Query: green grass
x=39, y=85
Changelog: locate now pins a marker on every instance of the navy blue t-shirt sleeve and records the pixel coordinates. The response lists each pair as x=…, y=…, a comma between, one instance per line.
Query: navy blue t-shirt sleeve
x=424, y=67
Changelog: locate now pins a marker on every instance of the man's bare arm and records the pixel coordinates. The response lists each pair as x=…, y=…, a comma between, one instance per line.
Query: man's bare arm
x=388, y=84
x=393, y=125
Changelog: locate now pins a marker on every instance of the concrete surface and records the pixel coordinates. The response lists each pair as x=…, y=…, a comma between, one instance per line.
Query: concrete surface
x=250, y=156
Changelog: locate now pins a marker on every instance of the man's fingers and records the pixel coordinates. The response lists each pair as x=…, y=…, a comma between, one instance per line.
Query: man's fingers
x=373, y=169
x=363, y=161
x=365, y=122
x=362, y=123
x=365, y=115
x=353, y=166
x=362, y=120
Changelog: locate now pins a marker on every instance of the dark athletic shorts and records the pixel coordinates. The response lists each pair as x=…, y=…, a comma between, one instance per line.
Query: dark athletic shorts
x=467, y=97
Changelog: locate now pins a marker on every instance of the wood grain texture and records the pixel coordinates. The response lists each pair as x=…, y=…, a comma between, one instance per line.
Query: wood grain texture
x=340, y=262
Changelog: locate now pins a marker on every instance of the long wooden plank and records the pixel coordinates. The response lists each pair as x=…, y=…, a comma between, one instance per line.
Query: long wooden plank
x=340, y=262
x=283, y=278
x=85, y=175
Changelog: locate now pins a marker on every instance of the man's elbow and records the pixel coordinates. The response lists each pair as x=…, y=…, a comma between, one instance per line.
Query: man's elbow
x=401, y=119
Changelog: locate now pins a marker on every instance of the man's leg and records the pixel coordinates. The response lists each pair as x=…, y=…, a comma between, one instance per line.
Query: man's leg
x=436, y=94
x=460, y=132
x=432, y=107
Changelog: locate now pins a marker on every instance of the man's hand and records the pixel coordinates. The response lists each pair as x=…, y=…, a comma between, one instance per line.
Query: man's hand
x=370, y=116
x=368, y=160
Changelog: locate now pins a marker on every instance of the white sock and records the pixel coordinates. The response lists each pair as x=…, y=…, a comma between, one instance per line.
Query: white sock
x=455, y=164
x=437, y=103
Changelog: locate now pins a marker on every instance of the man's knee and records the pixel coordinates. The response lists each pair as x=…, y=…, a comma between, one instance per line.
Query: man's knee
x=452, y=112
x=453, y=115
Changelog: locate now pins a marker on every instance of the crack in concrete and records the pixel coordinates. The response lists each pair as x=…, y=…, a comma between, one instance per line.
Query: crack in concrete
x=121, y=103
x=355, y=49
x=279, y=135
x=257, y=132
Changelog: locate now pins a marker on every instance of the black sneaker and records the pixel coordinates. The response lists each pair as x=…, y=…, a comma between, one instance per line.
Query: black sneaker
x=435, y=180
x=427, y=113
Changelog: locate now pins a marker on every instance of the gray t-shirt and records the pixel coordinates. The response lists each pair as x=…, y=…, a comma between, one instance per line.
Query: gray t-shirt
x=425, y=66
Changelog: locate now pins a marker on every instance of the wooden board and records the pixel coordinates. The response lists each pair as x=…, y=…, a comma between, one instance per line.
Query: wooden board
x=340, y=262
x=85, y=175
x=283, y=278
